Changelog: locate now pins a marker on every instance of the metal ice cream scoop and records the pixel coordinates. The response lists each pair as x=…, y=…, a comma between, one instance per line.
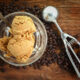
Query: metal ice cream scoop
x=7, y=23
x=50, y=14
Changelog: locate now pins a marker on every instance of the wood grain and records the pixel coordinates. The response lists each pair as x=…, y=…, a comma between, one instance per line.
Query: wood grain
x=69, y=20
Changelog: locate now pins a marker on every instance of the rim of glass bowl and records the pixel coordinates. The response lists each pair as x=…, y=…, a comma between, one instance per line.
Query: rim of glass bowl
x=41, y=23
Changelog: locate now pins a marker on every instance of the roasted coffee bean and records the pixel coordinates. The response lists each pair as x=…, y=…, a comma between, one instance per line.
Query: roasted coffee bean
x=2, y=70
x=11, y=66
x=2, y=63
x=17, y=67
x=24, y=67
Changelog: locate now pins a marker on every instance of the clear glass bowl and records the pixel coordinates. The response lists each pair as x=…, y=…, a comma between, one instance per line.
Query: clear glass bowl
x=40, y=39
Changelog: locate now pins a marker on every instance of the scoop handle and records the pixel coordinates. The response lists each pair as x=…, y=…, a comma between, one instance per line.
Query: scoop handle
x=70, y=58
x=3, y=19
x=66, y=47
x=57, y=25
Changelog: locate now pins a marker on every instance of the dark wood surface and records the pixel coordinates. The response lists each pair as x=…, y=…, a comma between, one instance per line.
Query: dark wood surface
x=69, y=20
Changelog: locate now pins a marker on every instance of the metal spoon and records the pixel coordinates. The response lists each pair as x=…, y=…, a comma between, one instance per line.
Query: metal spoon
x=7, y=23
x=50, y=14
x=3, y=19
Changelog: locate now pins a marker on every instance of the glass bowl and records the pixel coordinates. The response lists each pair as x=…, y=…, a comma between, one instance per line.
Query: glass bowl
x=40, y=38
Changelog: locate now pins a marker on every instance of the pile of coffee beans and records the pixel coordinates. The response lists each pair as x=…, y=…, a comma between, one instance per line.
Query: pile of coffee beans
x=50, y=56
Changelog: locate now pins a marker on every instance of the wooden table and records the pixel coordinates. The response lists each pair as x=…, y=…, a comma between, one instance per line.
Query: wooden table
x=69, y=20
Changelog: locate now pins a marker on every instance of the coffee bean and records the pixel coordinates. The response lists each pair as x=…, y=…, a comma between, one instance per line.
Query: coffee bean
x=24, y=67
x=2, y=70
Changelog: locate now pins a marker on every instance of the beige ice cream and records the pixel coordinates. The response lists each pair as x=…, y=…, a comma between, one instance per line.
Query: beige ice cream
x=3, y=43
x=22, y=24
x=19, y=47
x=21, y=44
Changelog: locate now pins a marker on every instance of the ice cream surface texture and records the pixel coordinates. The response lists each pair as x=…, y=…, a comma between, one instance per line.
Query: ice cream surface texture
x=21, y=43
x=20, y=46
x=22, y=24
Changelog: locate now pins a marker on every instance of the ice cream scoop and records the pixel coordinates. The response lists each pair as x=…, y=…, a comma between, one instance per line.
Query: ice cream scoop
x=50, y=14
x=21, y=47
x=22, y=24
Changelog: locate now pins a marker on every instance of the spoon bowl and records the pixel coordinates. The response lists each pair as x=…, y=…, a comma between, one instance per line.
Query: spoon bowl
x=50, y=13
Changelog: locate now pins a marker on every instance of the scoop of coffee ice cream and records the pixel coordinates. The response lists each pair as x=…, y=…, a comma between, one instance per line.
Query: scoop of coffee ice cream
x=22, y=24
x=19, y=47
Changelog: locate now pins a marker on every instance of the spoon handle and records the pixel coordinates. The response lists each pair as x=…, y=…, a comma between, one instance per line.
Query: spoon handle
x=67, y=44
x=57, y=25
x=2, y=18
x=74, y=66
